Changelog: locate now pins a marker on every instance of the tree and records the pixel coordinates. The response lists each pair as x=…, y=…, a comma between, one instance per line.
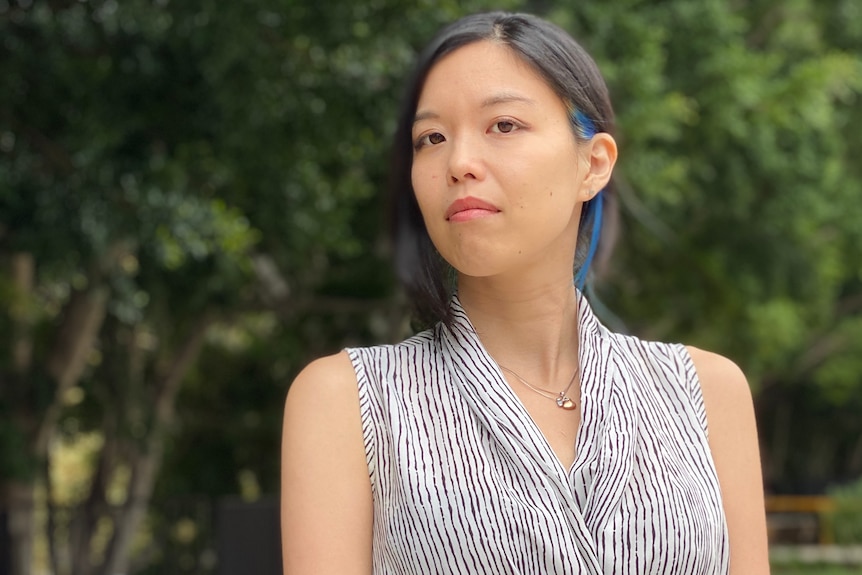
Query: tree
x=112, y=230
x=190, y=210
x=741, y=197
x=143, y=189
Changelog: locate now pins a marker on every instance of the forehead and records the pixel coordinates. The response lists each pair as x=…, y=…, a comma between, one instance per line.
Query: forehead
x=477, y=71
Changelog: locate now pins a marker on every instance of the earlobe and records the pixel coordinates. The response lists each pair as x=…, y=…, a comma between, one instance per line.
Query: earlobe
x=589, y=194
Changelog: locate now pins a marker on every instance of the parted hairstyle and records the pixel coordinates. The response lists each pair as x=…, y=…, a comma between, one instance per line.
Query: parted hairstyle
x=569, y=70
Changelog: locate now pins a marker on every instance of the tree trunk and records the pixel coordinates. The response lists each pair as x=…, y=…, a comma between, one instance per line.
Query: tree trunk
x=16, y=495
x=86, y=517
x=23, y=268
x=83, y=316
x=145, y=463
x=51, y=523
x=81, y=320
x=145, y=467
x=17, y=509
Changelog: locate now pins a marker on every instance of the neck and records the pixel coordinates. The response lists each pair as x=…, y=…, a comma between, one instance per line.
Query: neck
x=530, y=329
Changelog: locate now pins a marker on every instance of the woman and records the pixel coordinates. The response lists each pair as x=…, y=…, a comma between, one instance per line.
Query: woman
x=518, y=435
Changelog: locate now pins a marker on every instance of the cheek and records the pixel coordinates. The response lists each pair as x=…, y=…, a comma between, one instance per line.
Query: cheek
x=425, y=183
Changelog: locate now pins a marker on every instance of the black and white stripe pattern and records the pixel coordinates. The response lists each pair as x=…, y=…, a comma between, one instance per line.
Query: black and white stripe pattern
x=464, y=482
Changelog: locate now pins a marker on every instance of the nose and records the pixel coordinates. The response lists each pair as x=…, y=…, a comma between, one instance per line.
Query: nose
x=465, y=161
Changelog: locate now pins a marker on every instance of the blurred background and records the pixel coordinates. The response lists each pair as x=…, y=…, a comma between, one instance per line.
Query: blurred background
x=191, y=209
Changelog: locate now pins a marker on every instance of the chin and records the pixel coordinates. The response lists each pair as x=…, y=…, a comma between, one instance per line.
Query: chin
x=478, y=266
x=480, y=258
x=474, y=271
x=473, y=267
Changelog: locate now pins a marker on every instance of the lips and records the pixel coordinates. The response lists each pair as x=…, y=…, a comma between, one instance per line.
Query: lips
x=469, y=208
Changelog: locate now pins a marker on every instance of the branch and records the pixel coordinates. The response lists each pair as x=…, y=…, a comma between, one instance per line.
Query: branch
x=23, y=279
x=763, y=29
x=849, y=305
x=334, y=305
x=60, y=5
x=818, y=352
x=828, y=343
x=146, y=463
x=51, y=510
x=178, y=369
x=82, y=319
x=823, y=345
x=274, y=287
x=276, y=295
x=94, y=507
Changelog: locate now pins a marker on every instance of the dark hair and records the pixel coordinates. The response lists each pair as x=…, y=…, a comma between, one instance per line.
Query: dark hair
x=568, y=70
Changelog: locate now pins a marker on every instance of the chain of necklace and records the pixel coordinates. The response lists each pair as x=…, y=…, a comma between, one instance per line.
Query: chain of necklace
x=562, y=400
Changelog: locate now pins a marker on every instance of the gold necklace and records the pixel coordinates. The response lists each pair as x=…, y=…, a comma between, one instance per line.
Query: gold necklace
x=562, y=400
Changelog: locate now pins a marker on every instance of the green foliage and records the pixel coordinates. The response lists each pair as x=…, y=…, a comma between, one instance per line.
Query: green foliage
x=177, y=141
x=15, y=464
x=812, y=569
x=846, y=519
x=734, y=175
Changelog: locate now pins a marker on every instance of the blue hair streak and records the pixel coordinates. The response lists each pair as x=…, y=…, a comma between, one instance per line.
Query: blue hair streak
x=592, y=214
x=586, y=128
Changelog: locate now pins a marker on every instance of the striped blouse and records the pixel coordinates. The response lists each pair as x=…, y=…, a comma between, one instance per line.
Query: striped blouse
x=464, y=482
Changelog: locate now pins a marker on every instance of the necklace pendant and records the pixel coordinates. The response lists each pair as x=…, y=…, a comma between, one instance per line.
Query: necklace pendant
x=564, y=402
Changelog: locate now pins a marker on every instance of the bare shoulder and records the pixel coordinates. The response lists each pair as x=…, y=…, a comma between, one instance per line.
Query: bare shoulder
x=322, y=427
x=326, y=506
x=323, y=381
x=722, y=382
x=734, y=446
x=326, y=374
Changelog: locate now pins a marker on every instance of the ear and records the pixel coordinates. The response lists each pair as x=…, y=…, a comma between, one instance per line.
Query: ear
x=601, y=155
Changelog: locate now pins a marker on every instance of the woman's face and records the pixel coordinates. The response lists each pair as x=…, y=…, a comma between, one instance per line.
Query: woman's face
x=497, y=171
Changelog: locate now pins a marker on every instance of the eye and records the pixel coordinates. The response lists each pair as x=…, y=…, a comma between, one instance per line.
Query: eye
x=431, y=139
x=504, y=127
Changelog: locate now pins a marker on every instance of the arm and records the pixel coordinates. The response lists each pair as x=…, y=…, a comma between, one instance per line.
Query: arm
x=733, y=442
x=326, y=506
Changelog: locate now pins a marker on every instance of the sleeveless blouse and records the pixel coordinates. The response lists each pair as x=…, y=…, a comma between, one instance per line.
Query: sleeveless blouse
x=464, y=482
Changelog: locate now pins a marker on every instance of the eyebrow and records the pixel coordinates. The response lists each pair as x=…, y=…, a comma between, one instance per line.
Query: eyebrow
x=505, y=98
x=496, y=99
